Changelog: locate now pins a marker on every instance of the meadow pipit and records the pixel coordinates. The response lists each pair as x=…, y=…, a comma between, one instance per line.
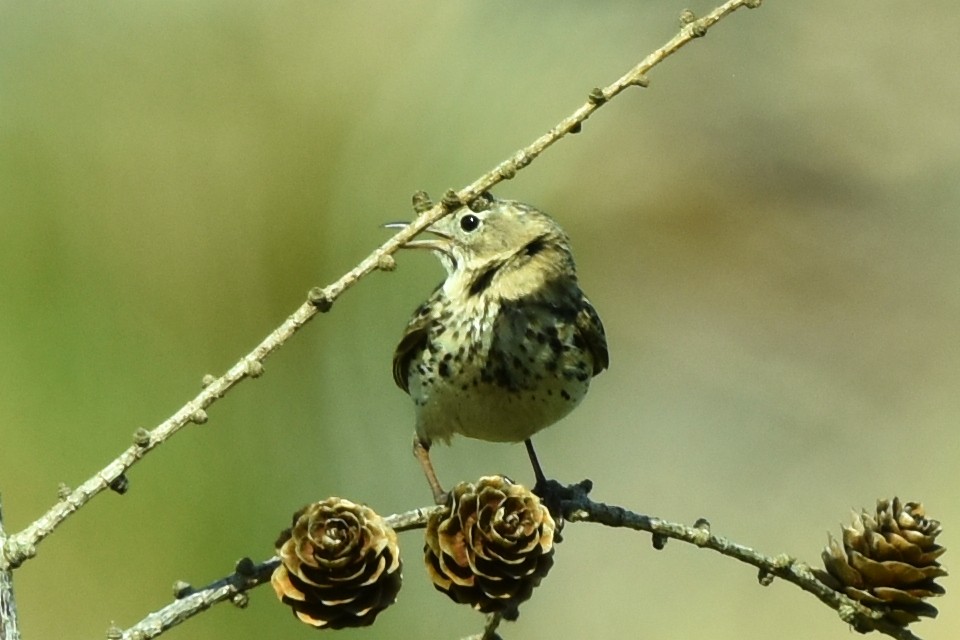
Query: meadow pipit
x=508, y=343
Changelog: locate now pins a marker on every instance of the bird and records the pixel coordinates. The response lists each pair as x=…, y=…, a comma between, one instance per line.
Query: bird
x=508, y=343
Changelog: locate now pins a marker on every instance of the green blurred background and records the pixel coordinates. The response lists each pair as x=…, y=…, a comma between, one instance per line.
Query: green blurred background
x=771, y=233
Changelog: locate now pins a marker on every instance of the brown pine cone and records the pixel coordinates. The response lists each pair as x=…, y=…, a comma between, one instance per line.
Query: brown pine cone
x=888, y=561
x=490, y=546
x=339, y=565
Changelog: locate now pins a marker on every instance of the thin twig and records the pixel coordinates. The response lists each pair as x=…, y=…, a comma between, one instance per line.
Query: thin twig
x=490, y=629
x=576, y=507
x=582, y=509
x=9, y=628
x=189, y=602
x=413, y=519
x=23, y=545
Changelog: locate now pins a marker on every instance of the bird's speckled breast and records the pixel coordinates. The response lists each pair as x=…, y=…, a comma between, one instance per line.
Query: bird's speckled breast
x=498, y=370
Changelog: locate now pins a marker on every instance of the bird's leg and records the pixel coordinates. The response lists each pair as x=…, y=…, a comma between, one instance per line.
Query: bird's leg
x=421, y=450
x=549, y=491
x=537, y=469
x=552, y=493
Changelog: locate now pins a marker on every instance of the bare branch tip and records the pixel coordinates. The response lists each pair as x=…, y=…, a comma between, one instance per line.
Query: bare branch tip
x=451, y=201
x=421, y=202
x=641, y=81
x=597, y=96
x=245, y=567
x=320, y=299
x=702, y=526
x=521, y=159
x=141, y=437
x=481, y=203
x=120, y=485
x=114, y=632
x=784, y=561
x=253, y=368
x=386, y=263
x=182, y=589
x=659, y=541
x=507, y=170
x=688, y=19
x=765, y=577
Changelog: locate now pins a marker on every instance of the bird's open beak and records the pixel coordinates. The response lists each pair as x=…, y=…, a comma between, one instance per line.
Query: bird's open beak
x=440, y=243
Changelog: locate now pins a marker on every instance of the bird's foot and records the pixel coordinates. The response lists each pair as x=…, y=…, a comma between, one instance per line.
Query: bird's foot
x=557, y=497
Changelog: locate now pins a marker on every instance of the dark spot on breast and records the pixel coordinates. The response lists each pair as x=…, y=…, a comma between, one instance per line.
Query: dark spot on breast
x=482, y=282
x=564, y=394
x=443, y=369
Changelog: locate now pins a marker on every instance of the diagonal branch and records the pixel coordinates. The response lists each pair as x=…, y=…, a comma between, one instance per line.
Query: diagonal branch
x=22, y=546
x=189, y=602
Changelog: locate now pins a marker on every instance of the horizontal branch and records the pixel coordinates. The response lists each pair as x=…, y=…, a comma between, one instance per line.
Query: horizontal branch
x=576, y=506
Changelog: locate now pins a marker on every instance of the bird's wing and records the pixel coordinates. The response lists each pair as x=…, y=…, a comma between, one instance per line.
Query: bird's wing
x=590, y=331
x=414, y=340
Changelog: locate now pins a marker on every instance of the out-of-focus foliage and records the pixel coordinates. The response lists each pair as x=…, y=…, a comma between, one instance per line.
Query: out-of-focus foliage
x=771, y=233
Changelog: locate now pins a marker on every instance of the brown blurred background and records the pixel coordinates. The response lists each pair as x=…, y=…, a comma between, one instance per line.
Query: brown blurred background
x=771, y=233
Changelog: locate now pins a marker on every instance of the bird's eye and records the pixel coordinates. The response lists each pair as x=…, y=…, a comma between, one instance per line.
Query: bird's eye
x=469, y=222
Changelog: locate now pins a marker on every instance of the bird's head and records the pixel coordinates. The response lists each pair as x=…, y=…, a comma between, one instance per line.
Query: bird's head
x=505, y=233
